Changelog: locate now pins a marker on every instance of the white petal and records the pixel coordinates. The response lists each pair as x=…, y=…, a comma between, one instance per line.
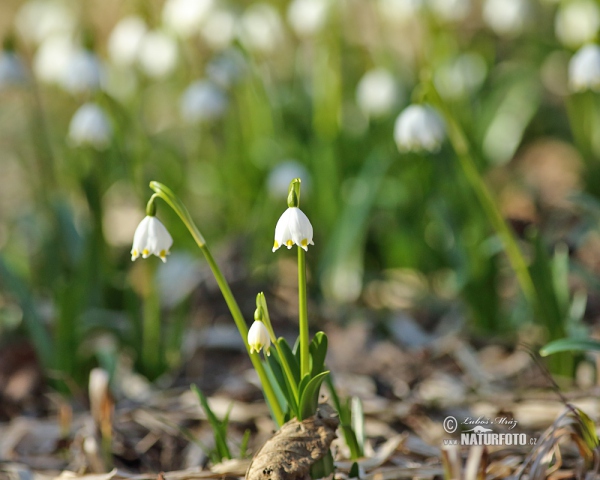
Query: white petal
x=258, y=337
x=140, y=238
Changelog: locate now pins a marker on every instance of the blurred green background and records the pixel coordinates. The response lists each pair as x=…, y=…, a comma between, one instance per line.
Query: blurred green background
x=226, y=102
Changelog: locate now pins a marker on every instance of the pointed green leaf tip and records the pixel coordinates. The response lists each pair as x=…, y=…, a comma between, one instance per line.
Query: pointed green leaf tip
x=293, y=199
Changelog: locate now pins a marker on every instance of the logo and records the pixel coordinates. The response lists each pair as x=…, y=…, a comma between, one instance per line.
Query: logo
x=484, y=431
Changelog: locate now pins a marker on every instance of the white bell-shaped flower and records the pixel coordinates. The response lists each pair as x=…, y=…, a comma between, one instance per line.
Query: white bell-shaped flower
x=584, y=69
x=577, y=22
x=90, y=126
x=151, y=238
x=126, y=39
x=12, y=70
x=377, y=93
x=293, y=227
x=83, y=73
x=419, y=127
x=203, y=101
x=258, y=338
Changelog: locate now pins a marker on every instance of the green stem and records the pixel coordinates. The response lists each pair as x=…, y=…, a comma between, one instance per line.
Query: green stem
x=286, y=366
x=169, y=197
x=303, y=315
x=151, y=333
x=460, y=144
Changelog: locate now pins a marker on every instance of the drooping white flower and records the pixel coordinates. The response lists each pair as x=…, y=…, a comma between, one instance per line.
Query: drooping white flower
x=460, y=76
x=419, y=127
x=218, y=29
x=377, y=93
x=261, y=28
x=151, y=238
x=293, y=227
x=450, y=10
x=584, y=69
x=227, y=68
x=506, y=17
x=258, y=338
x=125, y=40
x=184, y=17
x=577, y=22
x=52, y=58
x=83, y=73
x=12, y=70
x=203, y=101
x=158, y=54
x=307, y=17
x=38, y=20
x=90, y=126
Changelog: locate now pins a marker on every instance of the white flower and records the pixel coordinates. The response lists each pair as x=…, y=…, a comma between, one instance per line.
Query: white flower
x=40, y=19
x=506, y=17
x=261, y=29
x=460, y=76
x=307, y=17
x=419, y=127
x=293, y=227
x=258, y=338
x=377, y=93
x=12, y=70
x=184, y=17
x=90, y=126
x=450, y=10
x=151, y=238
x=577, y=22
x=218, y=29
x=125, y=40
x=83, y=73
x=52, y=58
x=203, y=101
x=158, y=54
x=584, y=69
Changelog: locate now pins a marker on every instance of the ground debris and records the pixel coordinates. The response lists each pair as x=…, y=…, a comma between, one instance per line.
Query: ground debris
x=290, y=453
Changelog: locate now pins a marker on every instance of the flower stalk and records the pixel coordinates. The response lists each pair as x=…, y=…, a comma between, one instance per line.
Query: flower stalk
x=179, y=208
x=461, y=147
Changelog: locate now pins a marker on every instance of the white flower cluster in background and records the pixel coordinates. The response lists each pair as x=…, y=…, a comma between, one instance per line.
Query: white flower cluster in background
x=90, y=126
x=584, y=69
x=419, y=128
x=378, y=93
x=577, y=22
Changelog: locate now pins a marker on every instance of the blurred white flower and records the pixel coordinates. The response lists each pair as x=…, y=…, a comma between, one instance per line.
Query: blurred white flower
x=584, y=69
x=258, y=338
x=377, y=93
x=419, y=127
x=293, y=227
x=125, y=40
x=52, y=58
x=203, y=101
x=158, y=54
x=399, y=11
x=40, y=19
x=283, y=173
x=506, y=17
x=307, y=17
x=12, y=70
x=227, y=68
x=178, y=278
x=450, y=10
x=184, y=17
x=151, y=238
x=577, y=22
x=90, y=126
x=218, y=30
x=83, y=72
x=260, y=29
x=460, y=76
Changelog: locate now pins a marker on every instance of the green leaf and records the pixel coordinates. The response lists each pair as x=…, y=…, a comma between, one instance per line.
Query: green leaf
x=588, y=429
x=354, y=471
x=309, y=397
x=274, y=363
x=358, y=423
x=291, y=359
x=318, y=352
x=244, y=444
x=570, y=345
x=220, y=436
